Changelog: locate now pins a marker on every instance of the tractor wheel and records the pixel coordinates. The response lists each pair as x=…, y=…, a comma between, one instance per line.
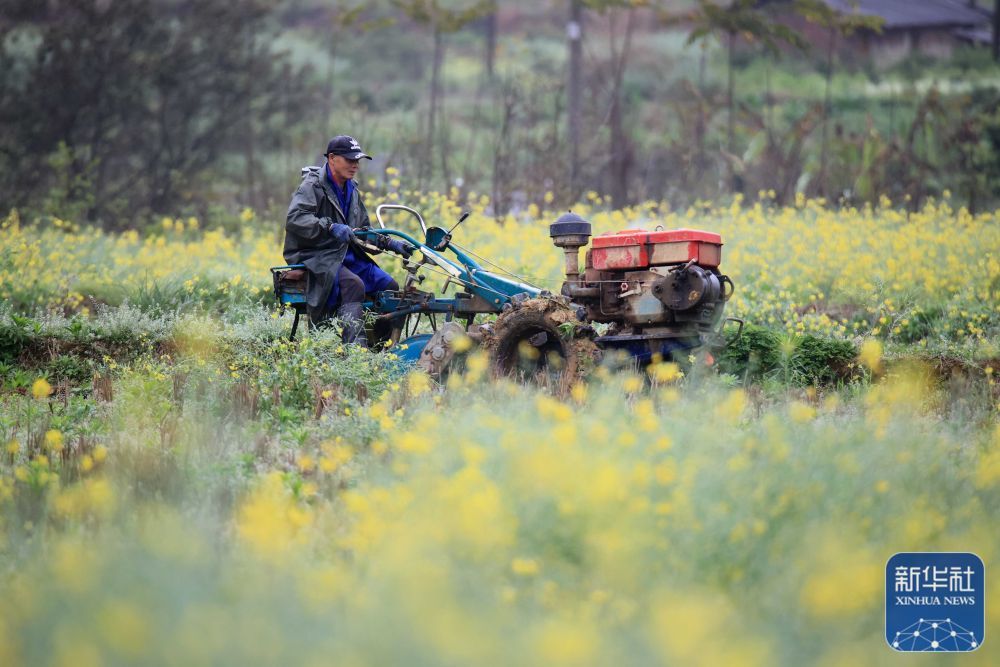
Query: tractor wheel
x=540, y=341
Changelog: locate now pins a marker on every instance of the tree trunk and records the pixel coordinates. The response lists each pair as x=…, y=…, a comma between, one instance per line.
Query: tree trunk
x=735, y=180
x=700, y=120
x=729, y=92
x=444, y=145
x=768, y=94
x=328, y=87
x=574, y=34
x=468, y=165
x=251, y=163
x=489, y=57
x=501, y=151
x=824, y=149
x=619, y=150
x=996, y=31
x=435, y=94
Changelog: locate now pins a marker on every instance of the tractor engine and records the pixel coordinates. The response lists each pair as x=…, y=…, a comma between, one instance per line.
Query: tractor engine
x=660, y=290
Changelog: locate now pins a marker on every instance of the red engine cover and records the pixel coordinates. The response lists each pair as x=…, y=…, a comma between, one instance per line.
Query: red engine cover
x=640, y=248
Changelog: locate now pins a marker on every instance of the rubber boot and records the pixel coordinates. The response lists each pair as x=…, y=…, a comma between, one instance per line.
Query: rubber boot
x=349, y=315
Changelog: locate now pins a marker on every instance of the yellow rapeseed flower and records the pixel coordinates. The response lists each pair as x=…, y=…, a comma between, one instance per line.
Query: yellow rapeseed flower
x=54, y=440
x=418, y=383
x=843, y=589
x=988, y=469
x=665, y=372
x=41, y=388
x=801, y=413
x=306, y=463
x=871, y=354
x=414, y=443
x=270, y=521
x=632, y=384
x=731, y=408
x=524, y=567
x=462, y=344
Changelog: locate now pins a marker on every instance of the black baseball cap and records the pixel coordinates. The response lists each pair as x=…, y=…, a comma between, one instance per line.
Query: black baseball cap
x=347, y=147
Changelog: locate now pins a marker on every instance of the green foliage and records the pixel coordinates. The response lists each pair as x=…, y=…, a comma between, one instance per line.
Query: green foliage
x=846, y=23
x=123, y=107
x=752, y=354
x=317, y=373
x=14, y=378
x=15, y=333
x=794, y=360
x=71, y=193
x=816, y=360
x=69, y=368
x=445, y=16
x=193, y=158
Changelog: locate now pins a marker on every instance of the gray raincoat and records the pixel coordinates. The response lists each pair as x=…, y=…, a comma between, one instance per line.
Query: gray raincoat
x=308, y=241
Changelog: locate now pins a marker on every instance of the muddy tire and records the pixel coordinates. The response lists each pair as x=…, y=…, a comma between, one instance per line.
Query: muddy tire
x=541, y=341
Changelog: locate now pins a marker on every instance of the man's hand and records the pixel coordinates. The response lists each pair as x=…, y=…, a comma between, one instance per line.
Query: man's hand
x=384, y=242
x=400, y=247
x=340, y=232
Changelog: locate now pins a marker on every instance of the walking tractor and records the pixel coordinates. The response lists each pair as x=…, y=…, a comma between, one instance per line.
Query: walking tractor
x=643, y=294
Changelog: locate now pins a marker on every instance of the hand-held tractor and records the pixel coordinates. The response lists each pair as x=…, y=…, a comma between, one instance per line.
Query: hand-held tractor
x=656, y=293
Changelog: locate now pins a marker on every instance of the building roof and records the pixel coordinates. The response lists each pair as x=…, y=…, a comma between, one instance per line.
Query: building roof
x=898, y=14
x=982, y=35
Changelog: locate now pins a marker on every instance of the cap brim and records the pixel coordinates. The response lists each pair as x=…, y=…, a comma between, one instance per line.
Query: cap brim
x=357, y=156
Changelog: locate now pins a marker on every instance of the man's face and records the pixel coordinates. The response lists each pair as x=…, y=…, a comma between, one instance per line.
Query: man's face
x=341, y=168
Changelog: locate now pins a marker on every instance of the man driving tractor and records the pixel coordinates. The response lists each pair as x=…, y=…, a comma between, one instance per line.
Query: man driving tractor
x=660, y=292
x=323, y=213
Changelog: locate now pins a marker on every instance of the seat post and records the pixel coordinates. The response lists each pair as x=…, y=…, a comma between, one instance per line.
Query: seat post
x=295, y=324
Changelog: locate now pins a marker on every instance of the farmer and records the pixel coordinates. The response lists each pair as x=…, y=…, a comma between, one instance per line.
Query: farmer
x=324, y=210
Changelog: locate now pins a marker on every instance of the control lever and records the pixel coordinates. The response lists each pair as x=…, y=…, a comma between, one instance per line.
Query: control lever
x=460, y=221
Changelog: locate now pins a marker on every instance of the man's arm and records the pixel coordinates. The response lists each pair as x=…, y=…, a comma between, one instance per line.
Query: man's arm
x=302, y=220
x=381, y=241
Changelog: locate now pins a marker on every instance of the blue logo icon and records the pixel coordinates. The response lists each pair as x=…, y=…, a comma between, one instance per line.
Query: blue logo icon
x=934, y=602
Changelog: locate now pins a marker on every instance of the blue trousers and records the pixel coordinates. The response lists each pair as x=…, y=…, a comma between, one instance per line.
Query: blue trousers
x=356, y=278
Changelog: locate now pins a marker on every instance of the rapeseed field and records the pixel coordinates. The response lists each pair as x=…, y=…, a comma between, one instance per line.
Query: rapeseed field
x=181, y=485
x=883, y=271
